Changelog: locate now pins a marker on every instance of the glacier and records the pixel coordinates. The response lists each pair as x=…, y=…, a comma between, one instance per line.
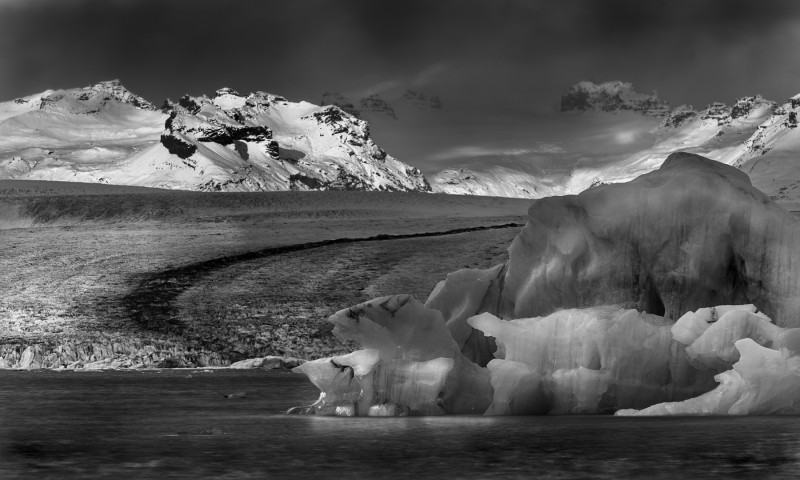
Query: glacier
x=672, y=294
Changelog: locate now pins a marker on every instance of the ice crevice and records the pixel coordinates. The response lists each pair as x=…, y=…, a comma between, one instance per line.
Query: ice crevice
x=673, y=294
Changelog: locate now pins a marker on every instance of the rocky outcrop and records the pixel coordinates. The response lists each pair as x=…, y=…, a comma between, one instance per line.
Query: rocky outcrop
x=376, y=104
x=723, y=115
x=746, y=105
x=100, y=353
x=173, y=142
x=93, y=99
x=422, y=100
x=611, y=97
x=334, y=98
x=122, y=352
x=678, y=117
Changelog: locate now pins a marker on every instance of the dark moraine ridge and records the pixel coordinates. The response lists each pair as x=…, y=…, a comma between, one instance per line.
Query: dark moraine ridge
x=150, y=305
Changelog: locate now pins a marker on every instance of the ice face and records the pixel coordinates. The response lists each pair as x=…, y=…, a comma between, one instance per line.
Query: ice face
x=763, y=382
x=411, y=364
x=580, y=354
x=578, y=361
x=715, y=347
x=758, y=361
x=463, y=294
x=642, y=298
x=692, y=234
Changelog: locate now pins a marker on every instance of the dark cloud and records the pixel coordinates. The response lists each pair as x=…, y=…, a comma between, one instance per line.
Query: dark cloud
x=306, y=46
x=499, y=61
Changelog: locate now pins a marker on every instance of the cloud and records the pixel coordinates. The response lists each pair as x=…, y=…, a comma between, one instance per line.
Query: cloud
x=474, y=151
x=429, y=75
x=378, y=88
x=511, y=53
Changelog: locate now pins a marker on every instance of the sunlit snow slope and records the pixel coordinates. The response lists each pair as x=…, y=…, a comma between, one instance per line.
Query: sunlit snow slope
x=229, y=142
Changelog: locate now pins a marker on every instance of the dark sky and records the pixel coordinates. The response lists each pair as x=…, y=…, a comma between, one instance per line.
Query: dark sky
x=497, y=58
x=512, y=54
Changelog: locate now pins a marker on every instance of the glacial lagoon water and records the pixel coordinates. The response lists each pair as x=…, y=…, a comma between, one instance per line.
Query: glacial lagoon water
x=228, y=424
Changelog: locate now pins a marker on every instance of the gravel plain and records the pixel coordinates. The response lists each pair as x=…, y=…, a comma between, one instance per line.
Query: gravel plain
x=95, y=276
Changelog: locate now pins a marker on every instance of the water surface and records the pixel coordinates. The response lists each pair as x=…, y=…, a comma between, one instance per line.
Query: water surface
x=179, y=424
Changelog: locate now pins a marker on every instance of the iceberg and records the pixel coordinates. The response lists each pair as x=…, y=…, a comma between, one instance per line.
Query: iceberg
x=410, y=364
x=654, y=297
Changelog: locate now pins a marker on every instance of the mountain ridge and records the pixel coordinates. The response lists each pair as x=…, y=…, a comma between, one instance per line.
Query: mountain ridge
x=229, y=142
x=375, y=103
x=754, y=134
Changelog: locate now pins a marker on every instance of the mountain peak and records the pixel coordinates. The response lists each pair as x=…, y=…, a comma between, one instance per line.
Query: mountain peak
x=422, y=100
x=376, y=103
x=335, y=98
x=108, y=84
x=114, y=89
x=226, y=91
x=88, y=100
x=611, y=97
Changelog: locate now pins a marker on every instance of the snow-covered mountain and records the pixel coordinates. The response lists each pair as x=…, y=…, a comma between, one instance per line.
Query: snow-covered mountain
x=758, y=136
x=606, y=133
x=755, y=135
x=228, y=142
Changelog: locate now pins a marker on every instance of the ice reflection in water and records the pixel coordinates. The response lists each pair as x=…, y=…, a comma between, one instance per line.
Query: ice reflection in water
x=559, y=447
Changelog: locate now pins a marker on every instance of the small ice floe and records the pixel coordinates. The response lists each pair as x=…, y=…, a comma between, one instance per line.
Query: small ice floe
x=236, y=395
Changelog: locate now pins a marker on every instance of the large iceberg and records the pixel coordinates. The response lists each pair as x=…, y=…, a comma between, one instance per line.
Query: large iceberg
x=637, y=298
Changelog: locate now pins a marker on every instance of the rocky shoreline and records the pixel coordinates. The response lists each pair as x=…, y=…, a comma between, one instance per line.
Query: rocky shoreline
x=128, y=355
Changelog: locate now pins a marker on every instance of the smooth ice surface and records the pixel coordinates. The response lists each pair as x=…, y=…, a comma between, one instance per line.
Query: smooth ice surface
x=692, y=234
x=463, y=294
x=758, y=361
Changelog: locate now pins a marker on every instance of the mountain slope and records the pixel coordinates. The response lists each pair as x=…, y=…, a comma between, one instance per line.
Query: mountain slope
x=230, y=142
x=754, y=134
